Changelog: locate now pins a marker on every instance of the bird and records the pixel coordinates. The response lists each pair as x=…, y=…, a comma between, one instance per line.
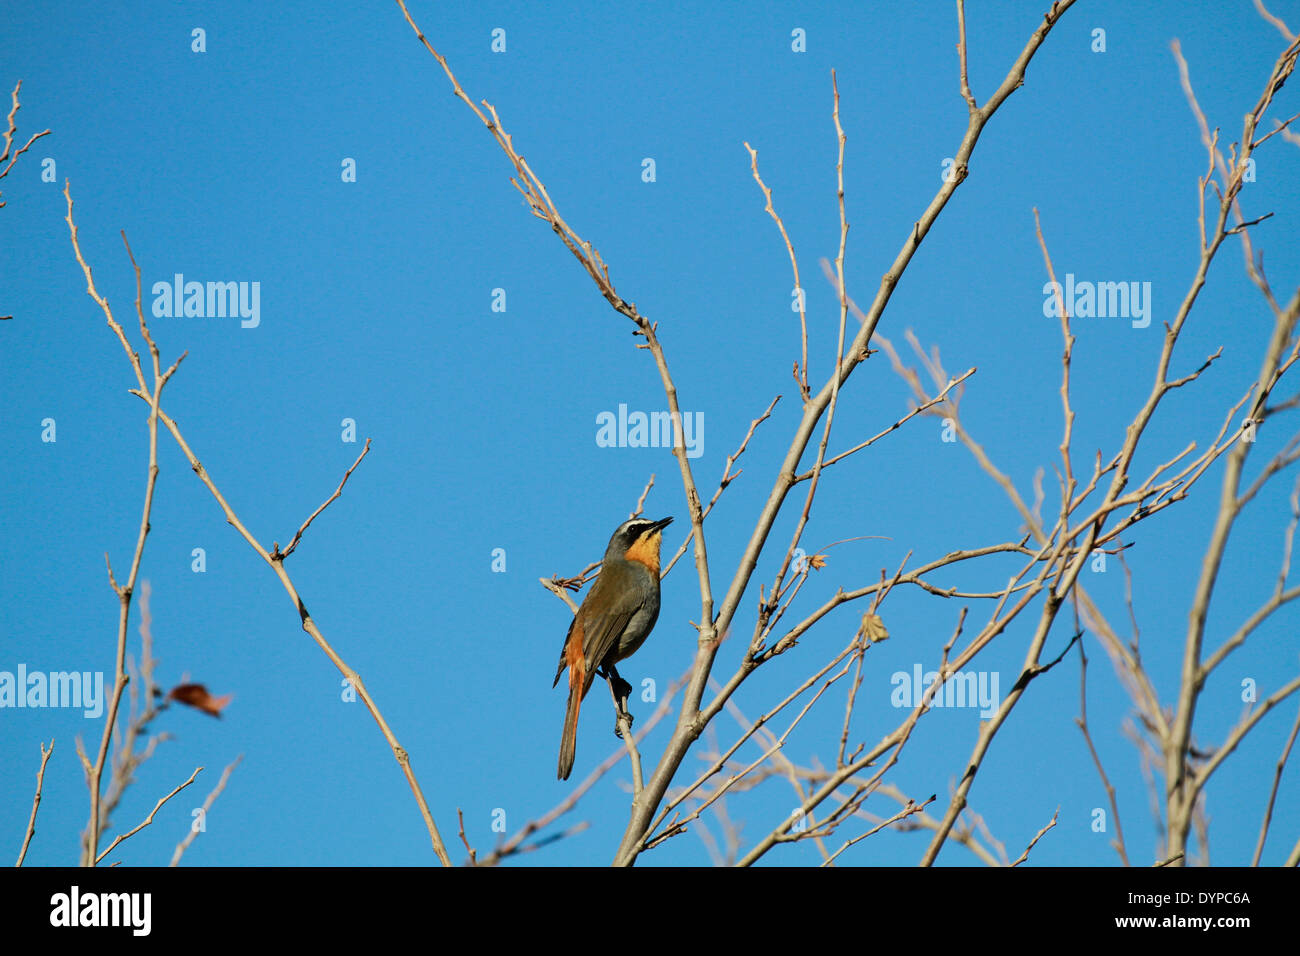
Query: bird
x=614, y=620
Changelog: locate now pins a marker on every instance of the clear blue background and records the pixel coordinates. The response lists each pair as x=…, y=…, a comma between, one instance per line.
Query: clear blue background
x=376, y=306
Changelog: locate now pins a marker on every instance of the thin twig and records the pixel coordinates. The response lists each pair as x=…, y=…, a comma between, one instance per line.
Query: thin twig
x=902, y=814
x=207, y=805
x=149, y=819
x=1051, y=823
x=275, y=548
x=153, y=397
x=961, y=53
x=1082, y=723
x=473, y=854
x=1272, y=794
x=36, y=801
x=801, y=370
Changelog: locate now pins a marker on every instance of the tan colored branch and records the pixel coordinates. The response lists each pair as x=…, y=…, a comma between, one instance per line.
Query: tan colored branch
x=1082, y=723
x=692, y=719
x=801, y=370
x=276, y=561
x=36, y=802
x=1272, y=793
x=1051, y=823
x=147, y=820
x=207, y=805
x=153, y=396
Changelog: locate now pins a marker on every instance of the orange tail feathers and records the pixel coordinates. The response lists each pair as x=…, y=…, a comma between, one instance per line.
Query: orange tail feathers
x=577, y=663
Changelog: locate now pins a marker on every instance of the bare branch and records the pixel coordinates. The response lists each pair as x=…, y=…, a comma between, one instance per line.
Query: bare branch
x=207, y=805
x=473, y=854
x=276, y=553
x=36, y=801
x=9, y=138
x=801, y=371
x=818, y=410
x=149, y=819
x=961, y=53
x=1051, y=823
x=907, y=811
x=640, y=502
x=153, y=398
x=1272, y=794
x=1082, y=722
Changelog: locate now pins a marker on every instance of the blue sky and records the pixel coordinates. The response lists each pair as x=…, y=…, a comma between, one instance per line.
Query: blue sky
x=376, y=306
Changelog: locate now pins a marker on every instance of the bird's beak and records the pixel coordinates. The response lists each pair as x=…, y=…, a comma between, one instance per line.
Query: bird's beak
x=661, y=524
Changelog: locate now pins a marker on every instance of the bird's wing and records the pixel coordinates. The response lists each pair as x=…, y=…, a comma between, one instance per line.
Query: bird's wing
x=604, y=617
x=598, y=632
x=600, y=635
x=564, y=651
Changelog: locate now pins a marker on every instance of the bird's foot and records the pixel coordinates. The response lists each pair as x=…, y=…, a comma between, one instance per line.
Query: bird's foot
x=622, y=689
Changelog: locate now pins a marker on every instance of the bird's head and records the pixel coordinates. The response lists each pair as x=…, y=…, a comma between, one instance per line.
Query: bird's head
x=637, y=539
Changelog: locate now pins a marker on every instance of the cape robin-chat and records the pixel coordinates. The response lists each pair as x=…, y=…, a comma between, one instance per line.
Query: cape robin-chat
x=614, y=620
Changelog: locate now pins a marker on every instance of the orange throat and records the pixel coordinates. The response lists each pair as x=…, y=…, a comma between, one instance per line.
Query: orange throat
x=646, y=551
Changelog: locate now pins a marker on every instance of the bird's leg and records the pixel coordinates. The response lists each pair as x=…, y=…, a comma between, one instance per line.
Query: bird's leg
x=620, y=690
